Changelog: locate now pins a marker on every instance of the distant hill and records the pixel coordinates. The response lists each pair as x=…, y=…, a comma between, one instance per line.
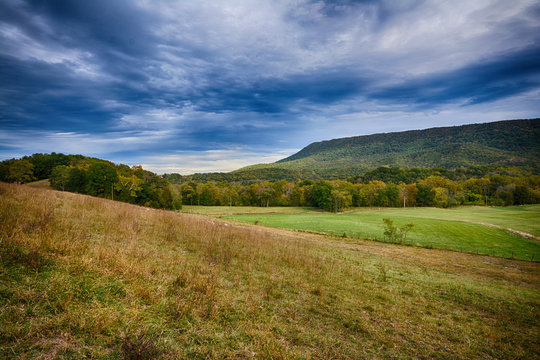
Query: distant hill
x=513, y=143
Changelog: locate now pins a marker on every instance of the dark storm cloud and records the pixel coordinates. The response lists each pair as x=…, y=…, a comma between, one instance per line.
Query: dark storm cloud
x=58, y=92
x=98, y=24
x=157, y=77
x=271, y=95
x=486, y=81
x=41, y=95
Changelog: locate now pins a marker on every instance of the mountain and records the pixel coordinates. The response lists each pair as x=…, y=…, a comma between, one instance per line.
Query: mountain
x=513, y=143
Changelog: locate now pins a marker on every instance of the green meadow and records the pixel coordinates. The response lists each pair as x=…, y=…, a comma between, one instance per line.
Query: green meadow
x=240, y=210
x=482, y=230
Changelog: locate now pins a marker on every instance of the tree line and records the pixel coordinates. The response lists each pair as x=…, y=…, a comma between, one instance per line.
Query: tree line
x=85, y=175
x=382, y=187
x=336, y=195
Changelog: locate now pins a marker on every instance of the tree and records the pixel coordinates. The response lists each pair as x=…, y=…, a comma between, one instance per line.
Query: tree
x=321, y=195
x=372, y=190
x=228, y=194
x=388, y=196
x=4, y=169
x=199, y=188
x=410, y=194
x=60, y=177
x=127, y=187
x=403, y=194
x=478, y=186
x=301, y=193
x=176, y=193
x=101, y=178
x=165, y=198
x=208, y=195
x=504, y=195
x=522, y=195
x=77, y=180
x=441, y=198
x=341, y=199
x=187, y=194
x=44, y=164
x=266, y=193
x=21, y=171
x=283, y=190
x=425, y=195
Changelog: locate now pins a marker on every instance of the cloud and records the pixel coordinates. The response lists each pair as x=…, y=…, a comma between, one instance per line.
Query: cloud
x=210, y=160
x=125, y=77
x=504, y=76
x=32, y=141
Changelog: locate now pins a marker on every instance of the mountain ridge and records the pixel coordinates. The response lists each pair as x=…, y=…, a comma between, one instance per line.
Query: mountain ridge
x=506, y=142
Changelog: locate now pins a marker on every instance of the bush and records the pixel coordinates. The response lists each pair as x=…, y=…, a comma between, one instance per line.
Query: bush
x=395, y=234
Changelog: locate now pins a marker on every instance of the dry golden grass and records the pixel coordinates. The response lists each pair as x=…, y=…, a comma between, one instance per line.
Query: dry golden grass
x=44, y=184
x=83, y=277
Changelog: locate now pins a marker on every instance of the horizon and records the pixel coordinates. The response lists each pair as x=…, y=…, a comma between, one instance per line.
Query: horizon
x=203, y=87
x=327, y=140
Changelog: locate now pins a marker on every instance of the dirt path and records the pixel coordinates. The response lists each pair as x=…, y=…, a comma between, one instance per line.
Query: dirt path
x=521, y=233
x=518, y=232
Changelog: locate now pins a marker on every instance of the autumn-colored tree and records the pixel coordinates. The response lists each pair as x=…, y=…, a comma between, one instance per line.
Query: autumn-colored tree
x=21, y=171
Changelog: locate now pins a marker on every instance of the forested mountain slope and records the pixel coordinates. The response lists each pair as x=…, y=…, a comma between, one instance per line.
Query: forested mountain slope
x=509, y=143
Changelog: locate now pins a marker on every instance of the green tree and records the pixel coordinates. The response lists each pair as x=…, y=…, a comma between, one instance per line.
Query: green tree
x=266, y=193
x=176, y=193
x=301, y=194
x=59, y=178
x=77, y=180
x=504, y=195
x=228, y=194
x=478, y=186
x=523, y=195
x=321, y=195
x=44, y=164
x=21, y=171
x=165, y=198
x=101, y=178
x=425, y=195
x=388, y=196
x=187, y=194
x=407, y=194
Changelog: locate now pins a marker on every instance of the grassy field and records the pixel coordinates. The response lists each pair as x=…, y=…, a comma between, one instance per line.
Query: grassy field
x=463, y=229
x=83, y=277
x=44, y=184
x=523, y=218
x=239, y=210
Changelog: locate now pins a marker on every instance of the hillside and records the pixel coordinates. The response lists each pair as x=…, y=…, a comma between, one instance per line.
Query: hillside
x=83, y=277
x=508, y=143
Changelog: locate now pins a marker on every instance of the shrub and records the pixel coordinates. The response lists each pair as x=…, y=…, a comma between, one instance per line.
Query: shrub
x=394, y=233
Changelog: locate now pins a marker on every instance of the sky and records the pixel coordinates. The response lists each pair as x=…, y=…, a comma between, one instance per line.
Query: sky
x=209, y=85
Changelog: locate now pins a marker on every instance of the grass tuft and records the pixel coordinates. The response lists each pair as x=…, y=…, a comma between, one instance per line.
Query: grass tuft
x=139, y=347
